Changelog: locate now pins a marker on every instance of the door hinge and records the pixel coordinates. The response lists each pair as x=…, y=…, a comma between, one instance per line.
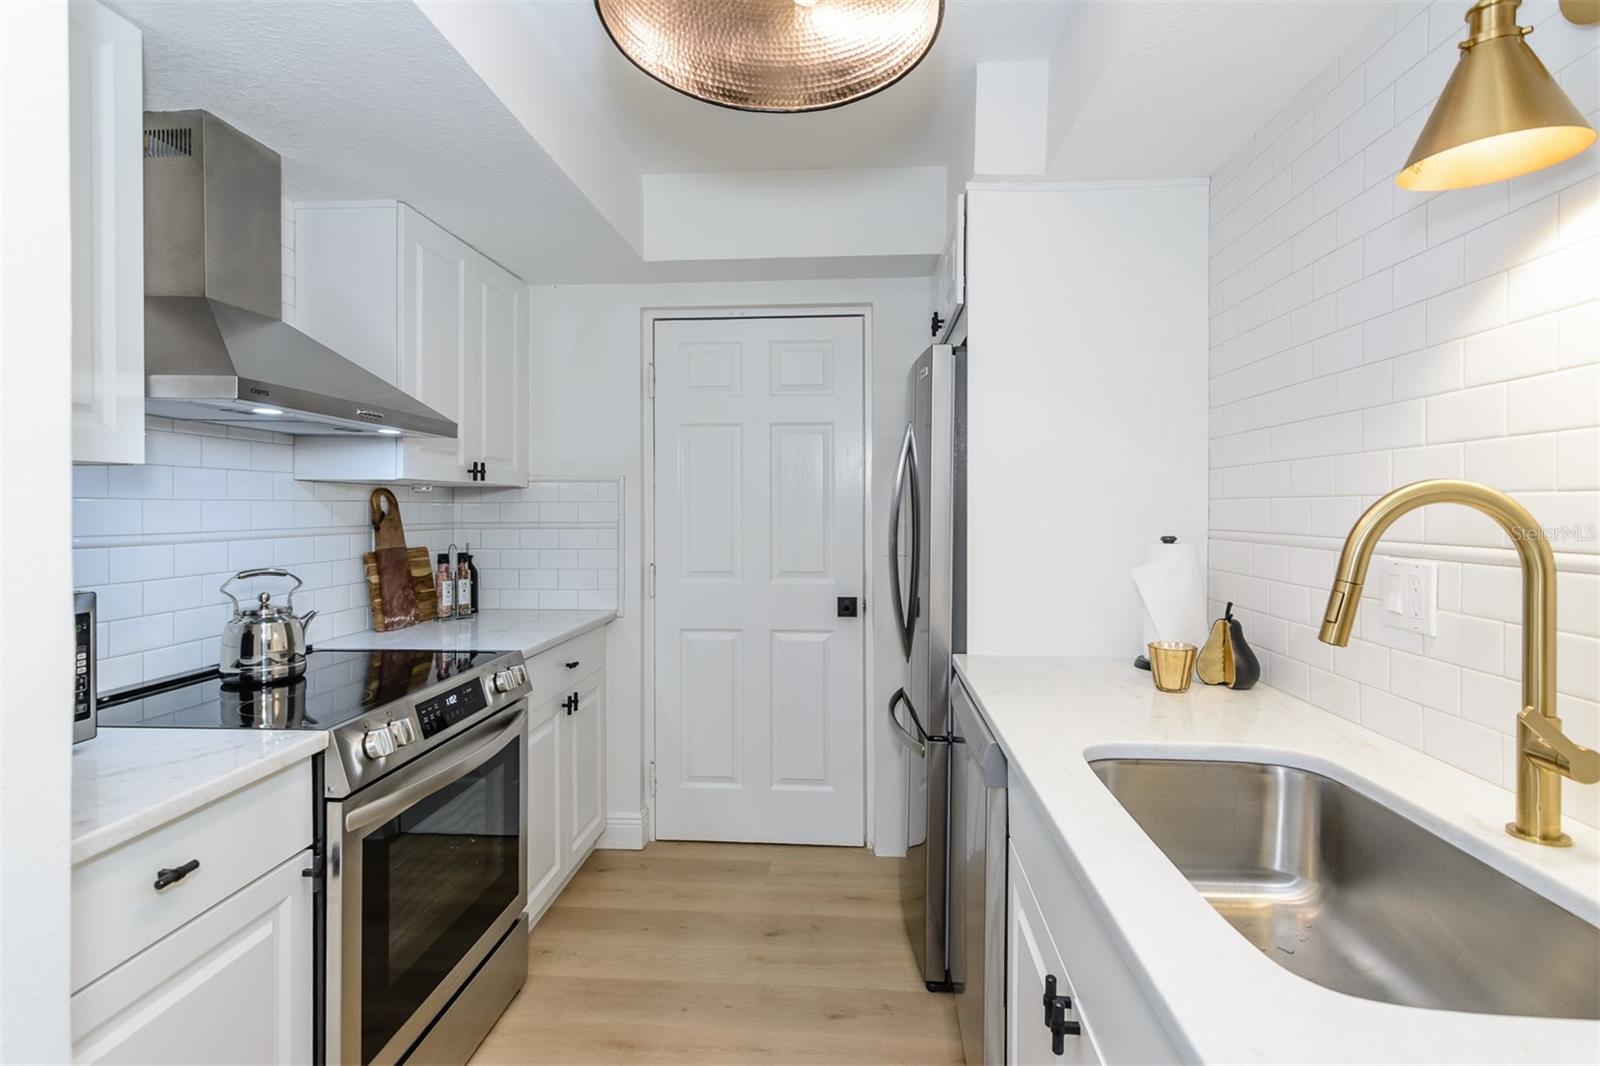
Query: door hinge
x=651, y=380
x=651, y=574
x=650, y=778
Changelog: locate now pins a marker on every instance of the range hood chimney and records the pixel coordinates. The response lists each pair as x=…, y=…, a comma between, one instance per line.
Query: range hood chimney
x=216, y=347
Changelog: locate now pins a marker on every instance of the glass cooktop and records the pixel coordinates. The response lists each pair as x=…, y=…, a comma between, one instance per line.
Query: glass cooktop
x=336, y=687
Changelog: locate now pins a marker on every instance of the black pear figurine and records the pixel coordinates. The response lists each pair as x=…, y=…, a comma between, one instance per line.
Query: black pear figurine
x=1227, y=659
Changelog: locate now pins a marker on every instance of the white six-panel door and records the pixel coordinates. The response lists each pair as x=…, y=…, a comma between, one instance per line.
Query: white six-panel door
x=759, y=480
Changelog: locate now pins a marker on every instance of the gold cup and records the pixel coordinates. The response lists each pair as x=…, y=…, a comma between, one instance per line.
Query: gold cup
x=1171, y=664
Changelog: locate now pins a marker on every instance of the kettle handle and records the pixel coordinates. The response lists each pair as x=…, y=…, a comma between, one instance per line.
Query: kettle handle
x=270, y=571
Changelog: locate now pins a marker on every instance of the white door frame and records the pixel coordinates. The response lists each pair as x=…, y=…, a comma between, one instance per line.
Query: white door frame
x=648, y=317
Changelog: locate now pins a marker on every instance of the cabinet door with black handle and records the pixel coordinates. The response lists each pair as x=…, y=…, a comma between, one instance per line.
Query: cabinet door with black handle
x=583, y=764
x=1043, y=1024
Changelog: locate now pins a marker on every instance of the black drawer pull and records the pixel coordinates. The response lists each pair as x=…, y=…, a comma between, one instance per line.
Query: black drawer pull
x=1055, y=1016
x=573, y=665
x=172, y=875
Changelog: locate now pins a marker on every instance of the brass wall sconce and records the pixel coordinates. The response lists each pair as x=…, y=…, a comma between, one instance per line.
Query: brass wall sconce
x=1501, y=114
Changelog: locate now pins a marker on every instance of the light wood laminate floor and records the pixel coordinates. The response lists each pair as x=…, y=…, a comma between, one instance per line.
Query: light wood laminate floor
x=726, y=953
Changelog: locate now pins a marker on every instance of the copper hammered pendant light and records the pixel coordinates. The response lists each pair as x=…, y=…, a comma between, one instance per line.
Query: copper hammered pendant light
x=774, y=55
x=1501, y=113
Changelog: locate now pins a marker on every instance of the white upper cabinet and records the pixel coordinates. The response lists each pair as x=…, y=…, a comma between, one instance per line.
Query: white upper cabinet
x=107, y=133
x=500, y=386
x=392, y=291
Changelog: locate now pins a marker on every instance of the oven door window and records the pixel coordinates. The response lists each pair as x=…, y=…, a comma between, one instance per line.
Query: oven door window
x=434, y=879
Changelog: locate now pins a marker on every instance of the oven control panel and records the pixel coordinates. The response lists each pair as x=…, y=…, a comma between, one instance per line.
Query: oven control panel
x=447, y=708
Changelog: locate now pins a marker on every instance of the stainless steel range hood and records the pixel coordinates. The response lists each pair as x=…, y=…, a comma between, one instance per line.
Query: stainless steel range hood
x=216, y=346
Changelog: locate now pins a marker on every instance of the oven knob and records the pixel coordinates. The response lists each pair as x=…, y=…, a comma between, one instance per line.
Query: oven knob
x=520, y=673
x=504, y=681
x=378, y=743
x=402, y=731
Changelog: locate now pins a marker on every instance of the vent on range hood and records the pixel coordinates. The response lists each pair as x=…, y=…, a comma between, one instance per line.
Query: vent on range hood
x=216, y=346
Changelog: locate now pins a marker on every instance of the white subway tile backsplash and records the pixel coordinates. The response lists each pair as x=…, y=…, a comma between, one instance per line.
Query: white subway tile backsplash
x=1461, y=340
x=1397, y=718
x=138, y=482
x=138, y=563
x=1578, y=335
x=1567, y=399
x=224, y=453
x=174, y=533
x=1578, y=459
x=1469, y=309
x=1554, y=281
x=1395, y=425
x=1437, y=270
x=1465, y=210
x=1420, y=464
x=1513, y=463
x=1524, y=234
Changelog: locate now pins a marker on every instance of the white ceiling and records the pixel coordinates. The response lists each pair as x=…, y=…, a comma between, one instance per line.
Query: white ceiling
x=368, y=100
x=1189, y=83
x=915, y=122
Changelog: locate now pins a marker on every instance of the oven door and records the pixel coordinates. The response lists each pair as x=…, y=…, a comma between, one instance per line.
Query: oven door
x=427, y=874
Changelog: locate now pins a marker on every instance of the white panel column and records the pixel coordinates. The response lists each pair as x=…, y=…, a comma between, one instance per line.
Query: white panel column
x=1086, y=407
x=35, y=531
x=1012, y=115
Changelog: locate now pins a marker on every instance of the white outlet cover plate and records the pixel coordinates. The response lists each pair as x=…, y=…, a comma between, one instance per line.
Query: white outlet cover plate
x=1410, y=595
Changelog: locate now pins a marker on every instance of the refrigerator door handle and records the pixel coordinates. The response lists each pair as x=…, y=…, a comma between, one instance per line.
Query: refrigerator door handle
x=918, y=741
x=905, y=614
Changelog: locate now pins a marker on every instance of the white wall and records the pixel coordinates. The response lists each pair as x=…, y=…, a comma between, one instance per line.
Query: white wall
x=1364, y=337
x=35, y=606
x=795, y=214
x=1086, y=423
x=587, y=422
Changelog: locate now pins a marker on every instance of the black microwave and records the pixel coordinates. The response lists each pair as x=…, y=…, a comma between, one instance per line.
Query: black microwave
x=83, y=695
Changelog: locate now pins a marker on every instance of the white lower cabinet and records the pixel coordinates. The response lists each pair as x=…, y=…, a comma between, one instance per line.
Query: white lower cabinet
x=1053, y=929
x=1033, y=965
x=583, y=762
x=232, y=986
x=566, y=764
x=215, y=965
x=545, y=852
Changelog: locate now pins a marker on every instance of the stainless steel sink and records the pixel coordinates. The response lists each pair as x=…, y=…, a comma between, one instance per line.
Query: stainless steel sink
x=1343, y=891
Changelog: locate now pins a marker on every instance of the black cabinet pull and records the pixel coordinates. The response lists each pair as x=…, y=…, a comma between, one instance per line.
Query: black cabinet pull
x=573, y=665
x=570, y=703
x=172, y=875
x=1055, y=1016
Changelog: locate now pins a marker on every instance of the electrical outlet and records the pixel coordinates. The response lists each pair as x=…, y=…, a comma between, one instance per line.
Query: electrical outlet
x=1411, y=595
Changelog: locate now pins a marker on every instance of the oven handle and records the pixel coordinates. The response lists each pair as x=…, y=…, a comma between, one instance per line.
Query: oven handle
x=386, y=807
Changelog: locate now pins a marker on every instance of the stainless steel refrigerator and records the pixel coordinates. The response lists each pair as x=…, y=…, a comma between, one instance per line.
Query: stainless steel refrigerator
x=927, y=540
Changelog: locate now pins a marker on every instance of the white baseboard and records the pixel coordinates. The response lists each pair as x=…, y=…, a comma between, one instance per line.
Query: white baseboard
x=624, y=831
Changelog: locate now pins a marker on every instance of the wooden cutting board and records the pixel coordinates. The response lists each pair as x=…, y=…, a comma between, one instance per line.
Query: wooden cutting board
x=399, y=579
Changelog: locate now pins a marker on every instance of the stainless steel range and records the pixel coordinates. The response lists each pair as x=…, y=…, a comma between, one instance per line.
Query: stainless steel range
x=421, y=835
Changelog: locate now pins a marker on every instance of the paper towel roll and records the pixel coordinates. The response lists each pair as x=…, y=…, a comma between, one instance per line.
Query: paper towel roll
x=1174, y=597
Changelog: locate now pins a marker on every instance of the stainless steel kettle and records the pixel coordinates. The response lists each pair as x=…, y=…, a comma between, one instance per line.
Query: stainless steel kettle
x=265, y=643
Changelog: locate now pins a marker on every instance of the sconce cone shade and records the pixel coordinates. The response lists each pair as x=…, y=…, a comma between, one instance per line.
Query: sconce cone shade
x=773, y=55
x=1501, y=113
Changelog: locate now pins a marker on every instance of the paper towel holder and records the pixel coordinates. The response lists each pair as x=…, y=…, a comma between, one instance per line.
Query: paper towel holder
x=1142, y=661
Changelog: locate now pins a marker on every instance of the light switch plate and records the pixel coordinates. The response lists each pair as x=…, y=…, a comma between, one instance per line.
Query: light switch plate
x=1410, y=594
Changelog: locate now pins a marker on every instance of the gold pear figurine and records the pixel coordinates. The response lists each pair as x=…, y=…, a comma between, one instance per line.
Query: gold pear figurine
x=1226, y=658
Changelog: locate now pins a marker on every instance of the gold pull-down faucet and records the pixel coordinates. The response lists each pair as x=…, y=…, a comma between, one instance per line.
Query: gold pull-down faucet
x=1544, y=753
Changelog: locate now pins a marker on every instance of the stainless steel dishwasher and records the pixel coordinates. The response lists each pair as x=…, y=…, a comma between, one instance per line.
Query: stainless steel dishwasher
x=977, y=879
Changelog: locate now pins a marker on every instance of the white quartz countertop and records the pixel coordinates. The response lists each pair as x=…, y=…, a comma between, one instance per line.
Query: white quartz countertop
x=130, y=780
x=529, y=632
x=1221, y=999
